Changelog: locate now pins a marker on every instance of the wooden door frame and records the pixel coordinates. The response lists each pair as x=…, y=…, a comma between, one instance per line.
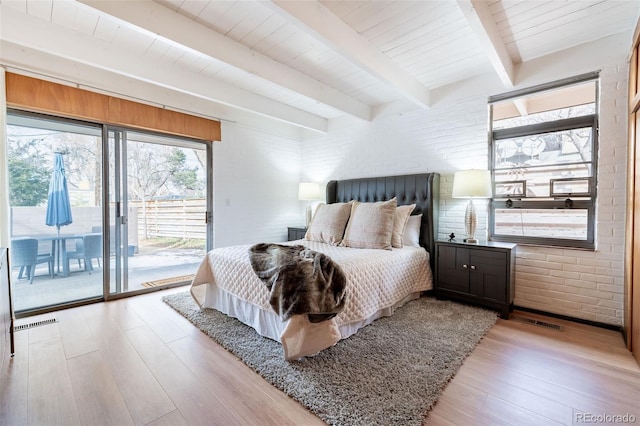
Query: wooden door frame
x=632, y=241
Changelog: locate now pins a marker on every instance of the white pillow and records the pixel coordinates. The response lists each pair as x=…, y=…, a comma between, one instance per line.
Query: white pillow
x=328, y=223
x=370, y=225
x=399, y=222
x=411, y=235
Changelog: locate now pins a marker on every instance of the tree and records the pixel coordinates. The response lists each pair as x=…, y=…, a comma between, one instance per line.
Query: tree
x=157, y=171
x=28, y=183
x=29, y=173
x=184, y=179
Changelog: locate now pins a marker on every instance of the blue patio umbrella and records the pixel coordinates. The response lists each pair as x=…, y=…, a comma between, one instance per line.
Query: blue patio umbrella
x=58, y=205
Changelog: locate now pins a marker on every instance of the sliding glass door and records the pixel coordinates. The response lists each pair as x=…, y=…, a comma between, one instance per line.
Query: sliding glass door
x=159, y=204
x=97, y=212
x=55, y=197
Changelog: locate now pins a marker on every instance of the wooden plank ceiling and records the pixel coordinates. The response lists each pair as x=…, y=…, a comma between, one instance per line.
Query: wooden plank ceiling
x=301, y=63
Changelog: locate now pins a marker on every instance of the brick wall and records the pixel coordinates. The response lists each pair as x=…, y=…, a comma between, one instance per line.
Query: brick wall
x=451, y=136
x=588, y=284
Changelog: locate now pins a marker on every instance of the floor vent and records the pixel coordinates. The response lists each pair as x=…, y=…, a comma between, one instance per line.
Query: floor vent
x=34, y=324
x=538, y=322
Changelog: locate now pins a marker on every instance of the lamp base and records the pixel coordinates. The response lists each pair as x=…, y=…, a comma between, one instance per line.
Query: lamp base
x=470, y=222
x=308, y=214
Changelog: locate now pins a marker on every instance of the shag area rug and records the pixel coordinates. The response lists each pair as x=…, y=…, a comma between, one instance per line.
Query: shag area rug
x=389, y=373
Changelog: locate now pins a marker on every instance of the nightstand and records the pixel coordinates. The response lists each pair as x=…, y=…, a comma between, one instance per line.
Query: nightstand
x=482, y=273
x=296, y=233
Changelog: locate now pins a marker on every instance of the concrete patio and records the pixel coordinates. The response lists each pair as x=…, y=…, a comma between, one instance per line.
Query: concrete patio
x=81, y=285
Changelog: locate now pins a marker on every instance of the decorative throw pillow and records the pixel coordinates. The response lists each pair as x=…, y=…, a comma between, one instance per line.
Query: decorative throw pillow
x=370, y=225
x=328, y=223
x=411, y=235
x=399, y=222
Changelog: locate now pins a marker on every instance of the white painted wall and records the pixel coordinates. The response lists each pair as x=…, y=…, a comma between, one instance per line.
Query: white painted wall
x=256, y=176
x=452, y=135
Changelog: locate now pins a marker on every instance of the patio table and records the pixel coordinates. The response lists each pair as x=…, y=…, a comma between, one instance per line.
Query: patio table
x=59, y=250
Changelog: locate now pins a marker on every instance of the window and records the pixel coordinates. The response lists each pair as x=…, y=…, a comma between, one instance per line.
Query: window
x=543, y=151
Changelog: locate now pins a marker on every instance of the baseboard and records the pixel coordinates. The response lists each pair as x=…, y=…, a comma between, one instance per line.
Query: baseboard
x=567, y=318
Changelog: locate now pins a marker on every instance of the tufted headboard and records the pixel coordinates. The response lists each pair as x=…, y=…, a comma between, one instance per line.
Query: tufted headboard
x=421, y=189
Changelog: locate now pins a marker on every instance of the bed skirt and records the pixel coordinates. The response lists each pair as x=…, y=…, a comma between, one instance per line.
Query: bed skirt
x=317, y=336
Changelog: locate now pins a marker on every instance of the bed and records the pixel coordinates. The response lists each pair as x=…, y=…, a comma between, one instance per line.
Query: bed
x=378, y=281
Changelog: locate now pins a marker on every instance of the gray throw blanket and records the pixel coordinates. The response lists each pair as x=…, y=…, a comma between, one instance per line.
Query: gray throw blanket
x=300, y=281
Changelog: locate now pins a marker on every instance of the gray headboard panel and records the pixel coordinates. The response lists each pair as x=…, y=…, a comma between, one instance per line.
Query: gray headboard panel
x=421, y=189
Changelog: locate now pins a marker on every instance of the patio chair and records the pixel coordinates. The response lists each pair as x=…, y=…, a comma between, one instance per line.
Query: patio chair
x=112, y=236
x=24, y=254
x=90, y=247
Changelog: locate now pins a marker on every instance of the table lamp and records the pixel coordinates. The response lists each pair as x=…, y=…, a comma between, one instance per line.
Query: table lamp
x=471, y=184
x=308, y=191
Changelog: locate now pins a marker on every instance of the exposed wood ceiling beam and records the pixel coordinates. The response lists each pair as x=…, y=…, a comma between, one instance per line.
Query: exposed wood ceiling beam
x=174, y=27
x=484, y=26
x=38, y=64
x=319, y=22
x=46, y=37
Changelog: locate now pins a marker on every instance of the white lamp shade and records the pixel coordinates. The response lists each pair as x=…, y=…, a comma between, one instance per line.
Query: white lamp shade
x=308, y=191
x=472, y=184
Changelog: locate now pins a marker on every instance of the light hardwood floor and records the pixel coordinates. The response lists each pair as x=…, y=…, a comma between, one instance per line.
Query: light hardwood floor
x=136, y=361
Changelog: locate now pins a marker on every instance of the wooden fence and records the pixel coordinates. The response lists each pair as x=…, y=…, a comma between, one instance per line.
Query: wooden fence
x=171, y=218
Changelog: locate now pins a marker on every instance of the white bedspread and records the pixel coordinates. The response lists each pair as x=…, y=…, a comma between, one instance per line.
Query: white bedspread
x=377, y=282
